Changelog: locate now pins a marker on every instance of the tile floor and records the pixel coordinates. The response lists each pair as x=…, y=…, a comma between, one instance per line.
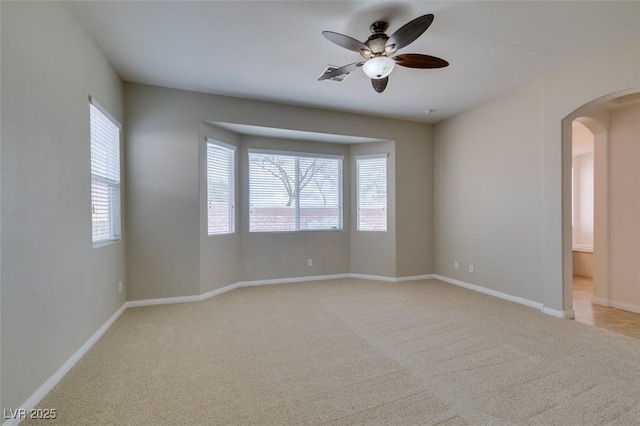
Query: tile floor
x=623, y=322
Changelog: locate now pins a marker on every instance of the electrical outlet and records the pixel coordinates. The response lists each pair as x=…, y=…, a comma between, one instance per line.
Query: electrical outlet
x=120, y=287
x=470, y=268
x=456, y=265
x=309, y=262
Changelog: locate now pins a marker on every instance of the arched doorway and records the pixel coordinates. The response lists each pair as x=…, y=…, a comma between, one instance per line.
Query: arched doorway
x=598, y=117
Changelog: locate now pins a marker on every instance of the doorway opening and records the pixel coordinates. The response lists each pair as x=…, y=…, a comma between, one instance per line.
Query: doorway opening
x=582, y=217
x=601, y=204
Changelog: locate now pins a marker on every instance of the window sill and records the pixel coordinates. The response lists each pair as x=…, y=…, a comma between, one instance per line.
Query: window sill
x=583, y=248
x=104, y=243
x=299, y=231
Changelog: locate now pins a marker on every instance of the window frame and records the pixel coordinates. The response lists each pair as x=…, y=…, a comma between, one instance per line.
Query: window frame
x=114, y=209
x=231, y=150
x=358, y=159
x=298, y=155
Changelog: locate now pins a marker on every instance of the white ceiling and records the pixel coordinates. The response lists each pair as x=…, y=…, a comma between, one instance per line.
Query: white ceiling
x=274, y=50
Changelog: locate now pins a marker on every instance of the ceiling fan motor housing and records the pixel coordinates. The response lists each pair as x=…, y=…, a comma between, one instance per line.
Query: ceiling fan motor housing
x=377, y=42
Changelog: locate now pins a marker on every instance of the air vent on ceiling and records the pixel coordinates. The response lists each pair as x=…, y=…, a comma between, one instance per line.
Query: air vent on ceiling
x=340, y=78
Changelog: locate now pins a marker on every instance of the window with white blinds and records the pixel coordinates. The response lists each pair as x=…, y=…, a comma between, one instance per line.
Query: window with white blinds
x=220, y=188
x=371, y=176
x=105, y=175
x=294, y=192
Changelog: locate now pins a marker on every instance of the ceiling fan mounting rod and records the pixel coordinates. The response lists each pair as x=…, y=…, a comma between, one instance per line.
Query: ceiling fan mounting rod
x=378, y=27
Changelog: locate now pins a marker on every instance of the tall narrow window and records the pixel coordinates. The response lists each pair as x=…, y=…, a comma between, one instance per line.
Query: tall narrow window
x=105, y=175
x=371, y=176
x=220, y=188
x=294, y=192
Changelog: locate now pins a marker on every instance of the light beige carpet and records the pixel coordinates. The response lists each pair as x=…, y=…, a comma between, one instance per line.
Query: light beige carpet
x=351, y=352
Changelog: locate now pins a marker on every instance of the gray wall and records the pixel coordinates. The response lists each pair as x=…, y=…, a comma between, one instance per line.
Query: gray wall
x=501, y=171
x=163, y=216
x=489, y=195
x=414, y=186
x=57, y=290
x=168, y=251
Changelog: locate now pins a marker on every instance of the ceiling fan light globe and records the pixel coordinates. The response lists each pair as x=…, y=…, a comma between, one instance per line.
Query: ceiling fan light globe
x=378, y=67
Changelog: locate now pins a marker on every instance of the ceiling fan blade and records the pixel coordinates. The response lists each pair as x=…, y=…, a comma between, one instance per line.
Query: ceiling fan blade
x=415, y=60
x=345, y=41
x=409, y=32
x=342, y=70
x=379, y=84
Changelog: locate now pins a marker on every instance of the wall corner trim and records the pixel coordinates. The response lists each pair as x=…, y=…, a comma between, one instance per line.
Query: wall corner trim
x=43, y=390
x=625, y=306
x=374, y=277
x=416, y=278
x=600, y=301
x=558, y=313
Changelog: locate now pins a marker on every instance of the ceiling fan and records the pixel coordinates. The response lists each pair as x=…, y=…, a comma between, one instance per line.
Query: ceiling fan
x=378, y=49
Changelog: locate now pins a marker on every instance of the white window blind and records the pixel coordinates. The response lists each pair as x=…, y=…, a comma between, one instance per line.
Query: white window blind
x=105, y=175
x=220, y=188
x=371, y=175
x=294, y=192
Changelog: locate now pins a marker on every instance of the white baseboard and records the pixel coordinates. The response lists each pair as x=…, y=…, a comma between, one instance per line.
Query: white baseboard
x=615, y=304
x=162, y=301
x=392, y=279
x=522, y=301
x=625, y=306
x=416, y=278
x=583, y=248
x=64, y=369
x=291, y=280
x=218, y=291
x=181, y=299
x=207, y=295
x=373, y=277
x=494, y=293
